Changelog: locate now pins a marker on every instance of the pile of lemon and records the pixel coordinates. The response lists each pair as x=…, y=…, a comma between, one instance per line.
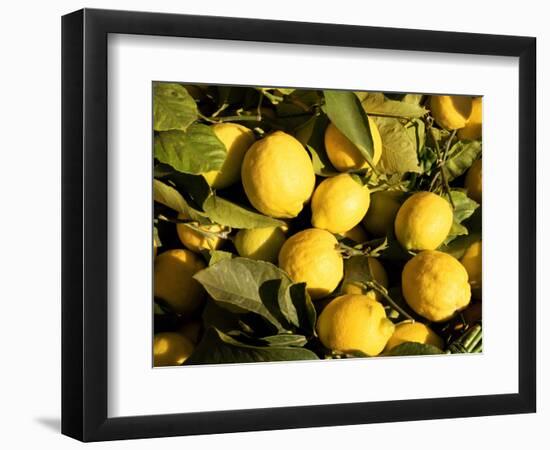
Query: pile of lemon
x=278, y=178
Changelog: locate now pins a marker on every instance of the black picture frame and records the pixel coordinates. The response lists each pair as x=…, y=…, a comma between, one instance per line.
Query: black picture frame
x=84, y=224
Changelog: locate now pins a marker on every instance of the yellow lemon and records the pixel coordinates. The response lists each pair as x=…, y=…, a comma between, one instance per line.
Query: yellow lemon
x=451, y=111
x=472, y=183
x=472, y=129
x=260, y=243
x=423, y=221
x=354, y=322
x=344, y=155
x=278, y=176
x=339, y=203
x=378, y=273
x=471, y=260
x=237, y=139
x=195, y=240
x=413, y=332
x=174, y=282
x=171, y=349
x=382, y=211
x=435, y=285
x=356, y=234
x=312, y=256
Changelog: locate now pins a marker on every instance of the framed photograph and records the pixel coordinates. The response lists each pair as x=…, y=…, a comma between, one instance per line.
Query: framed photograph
x=254, y=211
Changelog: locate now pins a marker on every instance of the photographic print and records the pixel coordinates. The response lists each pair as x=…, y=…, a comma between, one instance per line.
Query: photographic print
x=305, y=224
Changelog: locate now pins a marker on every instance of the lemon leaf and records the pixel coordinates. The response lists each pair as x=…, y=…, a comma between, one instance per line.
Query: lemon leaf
x=346, y=113
x=170, y=196
x=230, y=214
x=173, y=107
x=377, y=103
x=194, y=151
x=461, y=156
x=414, y=348
x=217, y=347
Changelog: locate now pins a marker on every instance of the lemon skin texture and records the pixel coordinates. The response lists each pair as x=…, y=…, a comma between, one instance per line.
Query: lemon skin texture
x=171, y=349
x=354, y=322
x=423, y=221
x=435, y=285
x=472, y=183
x=237, y=140
x=344, y=155
x=382, y=211
x=277, y=175
x=378, y=273
x=260, y=243
x=472, y=129
x=174, y=282
x=311, y=256
x=471, y=260
x=196, y=241
x=414, y=332
x=339, y=203
x=451, y=111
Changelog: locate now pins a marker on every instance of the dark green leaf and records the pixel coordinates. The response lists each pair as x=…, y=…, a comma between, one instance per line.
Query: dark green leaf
x=217, y=347
x=464, y=206
x=377, y=103
x=194, y=151
x=458, y=246
x=399, y=154
x=173, y=107
x=169, y=196
x=312, y=136
x=232, y=215
x=461, y=156
x=285, y=340
x=414, y=349
x=345, y=112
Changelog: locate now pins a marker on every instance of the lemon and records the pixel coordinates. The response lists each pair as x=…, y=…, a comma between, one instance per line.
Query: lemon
x=260, y=243
x=312, y=256
x=344, y=155
x=435, y=285
x=171, y=349
x=354, y=322
x=423, y=221
x=378, y=273
x=356, y=234
x=451, y=111
x=278, y=176
x=382, y=211
x=195, y=240
x=237, y=139
x=472, y=183
x=174, y=282
x=339, y=203
x=472, y=129
x=471, y=260
x=413, y=332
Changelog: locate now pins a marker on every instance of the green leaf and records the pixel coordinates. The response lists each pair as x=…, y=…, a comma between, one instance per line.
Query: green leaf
x=305, y=311
x=169, y=196
x=458, y=246
x=464, y=207
x=218, y=255
x=285, y=340
x=217, y=347
x=312, y=136
x=399, y=152
x=461, y=156
x=377, y=103
x=156, y=238
x=193, y=185
x=232, y=215
x=194, y=151
x=414, y=349
x=173, y=107
x=345, y=112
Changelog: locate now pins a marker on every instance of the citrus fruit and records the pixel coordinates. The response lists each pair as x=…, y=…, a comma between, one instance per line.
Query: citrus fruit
x=312, y=256
x=451, y=111
x=278, y=176
x=472, y=183
x=237, y=139
x=472, y=129
x=435, y=285
x=354, y=322
x=356, y=234
x=471, y=260
x=423, y=221
x=378, y=273
x=171, y=349
x=260, y=243
x=196, y=241
x=413, y=332
x=174, y=282
x=343, y=153
x=339, y=203
x=382, y=211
